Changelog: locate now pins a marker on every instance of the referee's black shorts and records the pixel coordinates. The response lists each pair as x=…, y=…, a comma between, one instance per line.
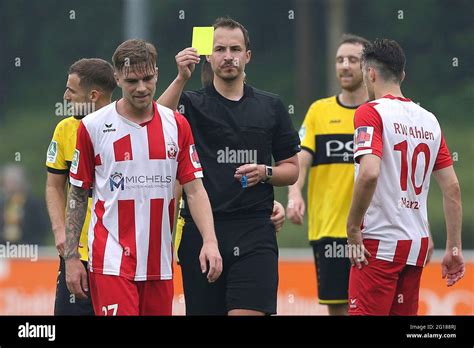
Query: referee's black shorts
x=65, y=303
x=249, y=279
x=332, y=270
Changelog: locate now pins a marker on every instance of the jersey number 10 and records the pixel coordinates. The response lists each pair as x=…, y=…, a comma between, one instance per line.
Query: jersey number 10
x=403, y=148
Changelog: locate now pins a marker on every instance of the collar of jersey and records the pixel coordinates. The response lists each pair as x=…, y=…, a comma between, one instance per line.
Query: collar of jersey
x=389, y=96
x=133, y=124
x=212, y=90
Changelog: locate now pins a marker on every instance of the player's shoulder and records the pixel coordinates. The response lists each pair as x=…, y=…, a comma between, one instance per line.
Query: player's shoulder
x=194, y=94
x=260, y=93
x=99, y=117
x=324, y=103
x=322, y=107
x=67, y=122
x=164, y=111
x=66, y=127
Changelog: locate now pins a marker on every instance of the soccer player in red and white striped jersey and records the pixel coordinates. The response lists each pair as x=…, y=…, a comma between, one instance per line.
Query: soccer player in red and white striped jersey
x=397, y=146
x=131, y=153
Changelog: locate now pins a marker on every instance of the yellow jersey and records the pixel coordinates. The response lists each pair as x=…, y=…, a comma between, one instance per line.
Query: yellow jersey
x=58, y=161
x=327, y=133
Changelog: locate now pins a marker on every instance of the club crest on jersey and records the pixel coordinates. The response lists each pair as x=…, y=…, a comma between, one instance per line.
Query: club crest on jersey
x=172, y=150
x=194, y=156
x=363, y=137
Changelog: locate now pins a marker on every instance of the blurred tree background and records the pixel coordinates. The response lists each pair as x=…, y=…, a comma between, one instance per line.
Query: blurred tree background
x=293, y=46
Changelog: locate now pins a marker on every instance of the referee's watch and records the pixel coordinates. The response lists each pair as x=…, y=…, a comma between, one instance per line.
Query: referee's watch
x=268, y=173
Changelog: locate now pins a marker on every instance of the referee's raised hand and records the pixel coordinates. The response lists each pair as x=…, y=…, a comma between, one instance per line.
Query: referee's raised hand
x=186, y=61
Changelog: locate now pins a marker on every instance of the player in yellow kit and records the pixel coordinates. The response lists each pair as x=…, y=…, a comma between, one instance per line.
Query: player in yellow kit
x=327, y=140
x=89, y=87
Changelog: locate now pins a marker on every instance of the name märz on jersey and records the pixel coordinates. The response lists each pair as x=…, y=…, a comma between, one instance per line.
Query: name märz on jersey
x=414, y=132
x=406, y=203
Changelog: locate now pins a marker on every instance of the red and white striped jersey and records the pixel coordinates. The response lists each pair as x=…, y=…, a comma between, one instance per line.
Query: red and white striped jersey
x=409, y=141
x=133, y=170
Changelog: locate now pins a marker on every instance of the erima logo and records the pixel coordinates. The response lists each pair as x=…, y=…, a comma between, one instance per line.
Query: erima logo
x=108, y=128
x=37, y=331
x=116, y=180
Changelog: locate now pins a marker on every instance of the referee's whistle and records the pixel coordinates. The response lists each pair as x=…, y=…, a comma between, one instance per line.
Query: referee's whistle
x=243, y=181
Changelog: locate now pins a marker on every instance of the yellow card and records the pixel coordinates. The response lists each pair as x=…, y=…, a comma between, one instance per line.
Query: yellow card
x=203, y=40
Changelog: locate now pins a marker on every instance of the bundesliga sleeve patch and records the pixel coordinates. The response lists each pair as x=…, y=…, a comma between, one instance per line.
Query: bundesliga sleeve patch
x=194, y=156
x=302, y=132
x=52, y=152
x=363, y=137
x=75, y=161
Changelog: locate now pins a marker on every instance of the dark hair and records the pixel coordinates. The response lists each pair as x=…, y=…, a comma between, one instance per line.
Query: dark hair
x=227, y=22
x=94, y=72
x=353, y=39
x=388, y=57
x=207, y=75
x=137, y=53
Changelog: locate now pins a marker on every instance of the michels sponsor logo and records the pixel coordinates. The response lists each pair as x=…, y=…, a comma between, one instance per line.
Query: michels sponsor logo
x=120, y=182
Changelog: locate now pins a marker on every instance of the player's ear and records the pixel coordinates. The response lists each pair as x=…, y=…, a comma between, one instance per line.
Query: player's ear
x=117, y=79
x=403, y=76
x=94, y=95
x=208, y=58
x=157, y=72
x=248, y=55
x=372, y=74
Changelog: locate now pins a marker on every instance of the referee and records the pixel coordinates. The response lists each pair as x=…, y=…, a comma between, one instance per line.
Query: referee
x=238, y=129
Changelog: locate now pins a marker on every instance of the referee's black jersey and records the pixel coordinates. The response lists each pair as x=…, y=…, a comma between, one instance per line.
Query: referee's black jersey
x=230, y=133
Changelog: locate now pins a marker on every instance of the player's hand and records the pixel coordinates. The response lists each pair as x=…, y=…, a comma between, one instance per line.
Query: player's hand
x=452, y=266
x=186, y=61
x=210, y=254
x=278, y=215
x=430, y=249
x=60, y=242
x=76, y=278
x=255, y=173
x=357, y=252
x=295, y=209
